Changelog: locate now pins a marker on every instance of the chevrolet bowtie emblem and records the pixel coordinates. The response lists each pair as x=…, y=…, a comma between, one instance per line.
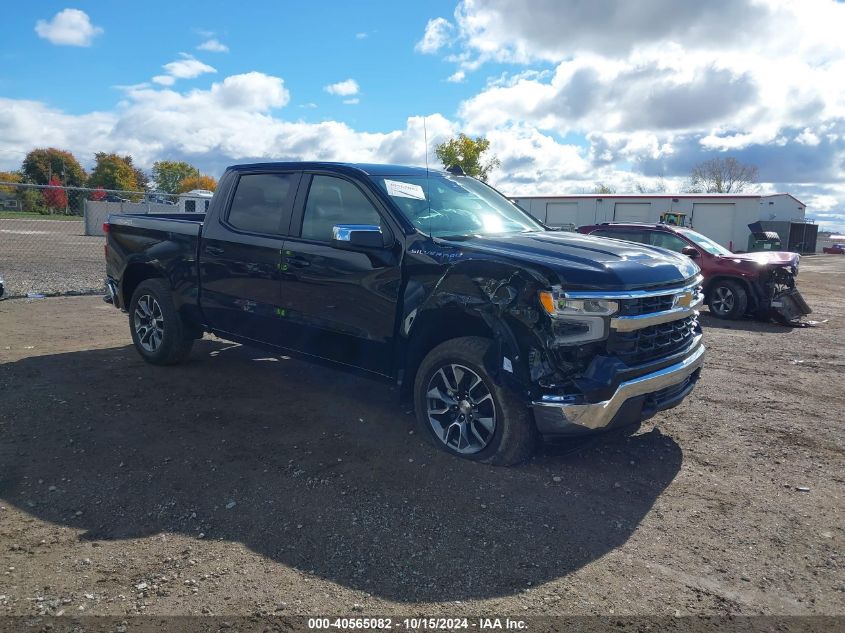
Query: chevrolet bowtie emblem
x=683, y=300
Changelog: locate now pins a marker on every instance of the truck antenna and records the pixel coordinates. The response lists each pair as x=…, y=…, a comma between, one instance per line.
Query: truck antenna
x=427, y=176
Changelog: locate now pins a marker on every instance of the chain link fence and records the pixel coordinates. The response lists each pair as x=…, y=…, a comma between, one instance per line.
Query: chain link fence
x=51, y=238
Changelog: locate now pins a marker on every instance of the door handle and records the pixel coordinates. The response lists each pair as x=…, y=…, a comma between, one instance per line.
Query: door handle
x=297, y=262
x=214, y=250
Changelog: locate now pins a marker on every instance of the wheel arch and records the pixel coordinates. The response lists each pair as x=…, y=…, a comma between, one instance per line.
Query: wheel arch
x=430, y=329
x=133, y=275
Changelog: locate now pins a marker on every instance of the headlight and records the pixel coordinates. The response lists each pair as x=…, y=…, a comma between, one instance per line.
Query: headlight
x=577, y=321
x=557, y=304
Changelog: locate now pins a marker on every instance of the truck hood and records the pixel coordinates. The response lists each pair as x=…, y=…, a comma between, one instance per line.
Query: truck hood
x=767, y=258
x=585, y=261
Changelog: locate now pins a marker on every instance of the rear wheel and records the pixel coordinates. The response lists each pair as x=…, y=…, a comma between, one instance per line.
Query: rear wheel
x=461, y=410
x=158, y=332
x=727, y=300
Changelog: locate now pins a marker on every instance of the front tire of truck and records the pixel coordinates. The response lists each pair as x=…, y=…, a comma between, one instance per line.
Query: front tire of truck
x=463, y=411
x=158, y=332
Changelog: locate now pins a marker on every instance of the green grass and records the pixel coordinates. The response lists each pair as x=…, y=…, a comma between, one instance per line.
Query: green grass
x=25, y=215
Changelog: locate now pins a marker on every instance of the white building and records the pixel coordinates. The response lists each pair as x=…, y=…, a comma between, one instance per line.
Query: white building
x=722, y=217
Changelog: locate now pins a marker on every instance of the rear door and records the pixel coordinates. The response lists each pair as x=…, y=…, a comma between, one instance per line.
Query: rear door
x=241, y=256
x=340, y=303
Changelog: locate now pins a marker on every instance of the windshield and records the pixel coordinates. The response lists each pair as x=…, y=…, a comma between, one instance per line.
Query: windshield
x=705, y=243
x=454, y=206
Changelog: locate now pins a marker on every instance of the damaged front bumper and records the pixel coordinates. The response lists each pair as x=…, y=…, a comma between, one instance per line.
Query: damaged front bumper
x=632, y=401
x=631, y=381
x=789, y=306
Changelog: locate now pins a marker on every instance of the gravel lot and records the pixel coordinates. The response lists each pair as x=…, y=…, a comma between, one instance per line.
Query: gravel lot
x=49, y=257
x=242, y=483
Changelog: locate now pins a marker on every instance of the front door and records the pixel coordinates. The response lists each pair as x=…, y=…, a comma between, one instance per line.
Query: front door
x=241, y=256
x=340, y=303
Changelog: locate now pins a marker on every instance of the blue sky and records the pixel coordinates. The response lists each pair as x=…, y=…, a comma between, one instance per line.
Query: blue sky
x=570, y=94
x=309, y=44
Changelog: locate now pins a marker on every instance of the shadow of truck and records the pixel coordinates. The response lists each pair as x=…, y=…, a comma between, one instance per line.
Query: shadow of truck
x=323, y=471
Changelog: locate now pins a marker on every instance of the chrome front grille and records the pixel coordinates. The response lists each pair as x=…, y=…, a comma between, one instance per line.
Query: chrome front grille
x=646, y=305
x=651, y=343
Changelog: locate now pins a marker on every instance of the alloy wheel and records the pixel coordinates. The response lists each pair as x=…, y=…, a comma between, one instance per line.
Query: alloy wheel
x=723, y=300
x=149, y=323
x=460, y=409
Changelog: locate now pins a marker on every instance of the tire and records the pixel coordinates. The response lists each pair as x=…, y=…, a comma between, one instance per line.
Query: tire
x=727, y=300
x=463, y=428
x=159, y=334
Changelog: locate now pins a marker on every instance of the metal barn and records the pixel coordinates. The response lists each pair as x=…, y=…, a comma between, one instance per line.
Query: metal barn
x=721, y=217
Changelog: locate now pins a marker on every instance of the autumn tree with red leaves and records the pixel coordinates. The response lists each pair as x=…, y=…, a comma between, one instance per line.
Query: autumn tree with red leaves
x=55, y=197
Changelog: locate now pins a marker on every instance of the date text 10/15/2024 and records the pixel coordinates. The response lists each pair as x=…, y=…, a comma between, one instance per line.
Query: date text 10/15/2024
x=417, y=624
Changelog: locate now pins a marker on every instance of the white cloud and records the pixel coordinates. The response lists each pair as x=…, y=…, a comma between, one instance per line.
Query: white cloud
x=344, y=88
x=188, y=67
x=213, y=45
x=352, y=101
x=459, y=76
x=808, y=137
x=164, y=80
x=436, y=35
x=70, y=27
x=229, y=122
x=361, y=36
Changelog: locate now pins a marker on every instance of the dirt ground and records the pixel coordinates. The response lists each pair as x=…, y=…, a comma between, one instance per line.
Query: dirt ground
x=241, y=483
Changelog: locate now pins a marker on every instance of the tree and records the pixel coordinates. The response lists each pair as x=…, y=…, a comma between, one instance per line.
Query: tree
x=722, y=175
x=40, y=165
x=55, y=197
x=199, y=181
x=9, y=176
x=466, y=153
x=98, y=194
x=113, y=172
x=142, y=181
x=603, y=188
x=32, y=200
x=169, y=174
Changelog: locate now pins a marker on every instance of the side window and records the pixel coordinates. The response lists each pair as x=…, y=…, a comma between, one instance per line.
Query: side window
x=335, y=201
x=667, y=240
x=628, y=236
x=261, y=201
x=190, y=206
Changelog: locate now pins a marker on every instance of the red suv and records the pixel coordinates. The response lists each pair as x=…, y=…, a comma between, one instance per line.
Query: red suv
x=761, y=284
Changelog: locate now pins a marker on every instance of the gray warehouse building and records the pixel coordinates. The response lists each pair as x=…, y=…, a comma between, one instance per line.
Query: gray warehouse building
x=723, y=218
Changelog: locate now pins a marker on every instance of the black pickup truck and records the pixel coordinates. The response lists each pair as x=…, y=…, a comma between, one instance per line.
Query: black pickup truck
x=500, y=330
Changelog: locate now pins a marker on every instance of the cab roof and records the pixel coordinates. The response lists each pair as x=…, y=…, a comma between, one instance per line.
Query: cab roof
x=367, y=169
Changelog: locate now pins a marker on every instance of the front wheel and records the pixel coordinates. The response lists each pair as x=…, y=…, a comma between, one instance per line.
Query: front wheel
x=462, y=410
x=157, y=329
x=728, y=300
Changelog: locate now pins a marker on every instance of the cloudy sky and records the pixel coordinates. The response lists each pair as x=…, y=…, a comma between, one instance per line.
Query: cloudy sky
x=569, y=93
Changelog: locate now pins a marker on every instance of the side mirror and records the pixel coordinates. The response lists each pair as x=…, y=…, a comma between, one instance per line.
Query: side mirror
x=690, y=252
x=357, y=236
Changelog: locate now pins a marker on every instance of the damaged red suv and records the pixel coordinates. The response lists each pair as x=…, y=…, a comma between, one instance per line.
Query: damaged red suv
x=760, y=284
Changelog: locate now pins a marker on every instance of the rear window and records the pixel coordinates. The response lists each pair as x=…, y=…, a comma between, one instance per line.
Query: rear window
x=261, y=201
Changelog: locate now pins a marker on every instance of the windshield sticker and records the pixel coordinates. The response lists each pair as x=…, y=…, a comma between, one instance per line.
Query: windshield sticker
x=404, y=190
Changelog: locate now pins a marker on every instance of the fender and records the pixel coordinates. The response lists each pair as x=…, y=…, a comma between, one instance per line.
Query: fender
x=475, y=297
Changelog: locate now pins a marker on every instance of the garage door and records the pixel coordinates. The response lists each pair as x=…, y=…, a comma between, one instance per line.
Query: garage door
x=562, y=214
x=716, y=221
x=632, y=212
